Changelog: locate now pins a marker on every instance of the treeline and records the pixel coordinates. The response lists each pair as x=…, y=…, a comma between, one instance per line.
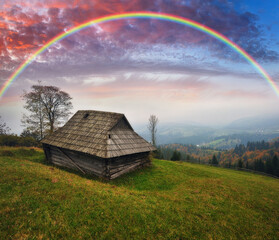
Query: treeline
x=15, y=141
x=243, y=138
x=258, y=156
x=252, y=146
x=189, y=153
x=26, y=138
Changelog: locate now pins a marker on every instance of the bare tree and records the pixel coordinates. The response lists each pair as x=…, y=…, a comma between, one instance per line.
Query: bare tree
x=152, y=126
x=36, y=121
x=48, y=107
x=4, y=129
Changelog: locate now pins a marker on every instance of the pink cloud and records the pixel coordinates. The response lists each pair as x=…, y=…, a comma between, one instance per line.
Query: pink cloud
x=134, y=87
x=238, y=93
x=27, y=25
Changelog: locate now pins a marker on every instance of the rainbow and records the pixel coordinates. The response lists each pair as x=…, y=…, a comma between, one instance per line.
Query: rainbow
x=153, y=15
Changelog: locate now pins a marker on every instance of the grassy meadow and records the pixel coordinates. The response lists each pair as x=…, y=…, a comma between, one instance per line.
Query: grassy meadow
x=169, y=200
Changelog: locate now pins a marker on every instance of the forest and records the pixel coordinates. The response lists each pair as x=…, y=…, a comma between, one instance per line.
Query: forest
x=259, y=156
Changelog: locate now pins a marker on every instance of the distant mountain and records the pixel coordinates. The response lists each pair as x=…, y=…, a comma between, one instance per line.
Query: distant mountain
x=239, y=131
x=188, y=133
x=256, y=124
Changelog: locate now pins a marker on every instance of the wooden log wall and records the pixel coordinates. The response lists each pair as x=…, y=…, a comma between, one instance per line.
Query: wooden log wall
x=120, y=165
x=77, y=161
x=106, y=168
x=47, y=152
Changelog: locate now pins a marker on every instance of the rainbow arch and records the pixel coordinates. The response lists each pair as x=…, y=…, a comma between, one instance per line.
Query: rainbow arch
x=154, y=15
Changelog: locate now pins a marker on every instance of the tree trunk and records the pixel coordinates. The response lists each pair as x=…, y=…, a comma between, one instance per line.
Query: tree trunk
x=51, y=126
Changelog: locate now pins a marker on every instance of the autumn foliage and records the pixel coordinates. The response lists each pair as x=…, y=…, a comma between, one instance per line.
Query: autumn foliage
x=258, y=156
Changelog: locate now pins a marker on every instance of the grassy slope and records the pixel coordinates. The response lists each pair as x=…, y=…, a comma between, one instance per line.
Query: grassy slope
x=167, y=200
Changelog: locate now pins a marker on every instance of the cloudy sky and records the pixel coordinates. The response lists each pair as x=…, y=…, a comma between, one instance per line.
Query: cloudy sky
x=144, y=66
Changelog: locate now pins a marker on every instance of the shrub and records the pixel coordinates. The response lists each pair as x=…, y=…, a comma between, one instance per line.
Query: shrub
x=26, y=152
x=6, y=153
x=13, y=140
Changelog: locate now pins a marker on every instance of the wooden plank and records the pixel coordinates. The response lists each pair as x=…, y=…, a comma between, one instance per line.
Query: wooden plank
x=67, y=165
x=54, y=151
x=126, y=164
x=47, y=154
x=126, y=170
x=63, y=164
x=112, y=171
x=83, y=160
x=59, y=159
x=84, y=164
x=71, y=160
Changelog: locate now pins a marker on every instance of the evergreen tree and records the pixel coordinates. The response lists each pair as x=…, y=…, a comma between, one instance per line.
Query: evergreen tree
x=179, y=156
x=275, y=165
x=158, y=153
x=214, y=160
x=260, y=166
x=176, y=156
x=240, y=163
x=247, y=165
x=268, y=166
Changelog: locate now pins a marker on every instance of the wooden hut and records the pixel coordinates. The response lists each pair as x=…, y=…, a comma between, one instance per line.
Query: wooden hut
x=99, y=143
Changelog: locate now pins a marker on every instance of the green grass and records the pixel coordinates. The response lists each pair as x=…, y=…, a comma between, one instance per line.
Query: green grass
x=170, y=200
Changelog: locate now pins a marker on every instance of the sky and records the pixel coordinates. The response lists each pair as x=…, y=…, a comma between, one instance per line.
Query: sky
x=144, y=66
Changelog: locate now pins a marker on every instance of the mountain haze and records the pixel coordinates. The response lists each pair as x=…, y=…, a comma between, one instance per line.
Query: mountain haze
x=239, y=131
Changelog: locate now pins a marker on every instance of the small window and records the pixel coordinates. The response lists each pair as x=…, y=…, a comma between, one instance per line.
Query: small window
x=109, y=136
x=85, y=115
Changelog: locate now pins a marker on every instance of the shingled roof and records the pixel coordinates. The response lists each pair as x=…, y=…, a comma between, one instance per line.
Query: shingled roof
x=103, y=134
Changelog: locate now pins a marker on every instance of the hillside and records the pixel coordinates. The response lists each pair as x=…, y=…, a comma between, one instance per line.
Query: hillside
x=257, y=156
x=240, y=131
x=170, y=200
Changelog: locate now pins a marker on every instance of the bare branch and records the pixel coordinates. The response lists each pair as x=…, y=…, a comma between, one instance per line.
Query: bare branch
x=152, y=126
x=48, y=107
x=4, y=129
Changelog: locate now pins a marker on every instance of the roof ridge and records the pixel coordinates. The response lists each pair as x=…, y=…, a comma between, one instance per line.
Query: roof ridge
x=100, y=112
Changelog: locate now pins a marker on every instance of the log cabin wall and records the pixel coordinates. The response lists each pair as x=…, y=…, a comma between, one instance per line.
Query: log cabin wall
x=124, y=164
x=106, y=168
x=47, y=152
x=78, y=161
